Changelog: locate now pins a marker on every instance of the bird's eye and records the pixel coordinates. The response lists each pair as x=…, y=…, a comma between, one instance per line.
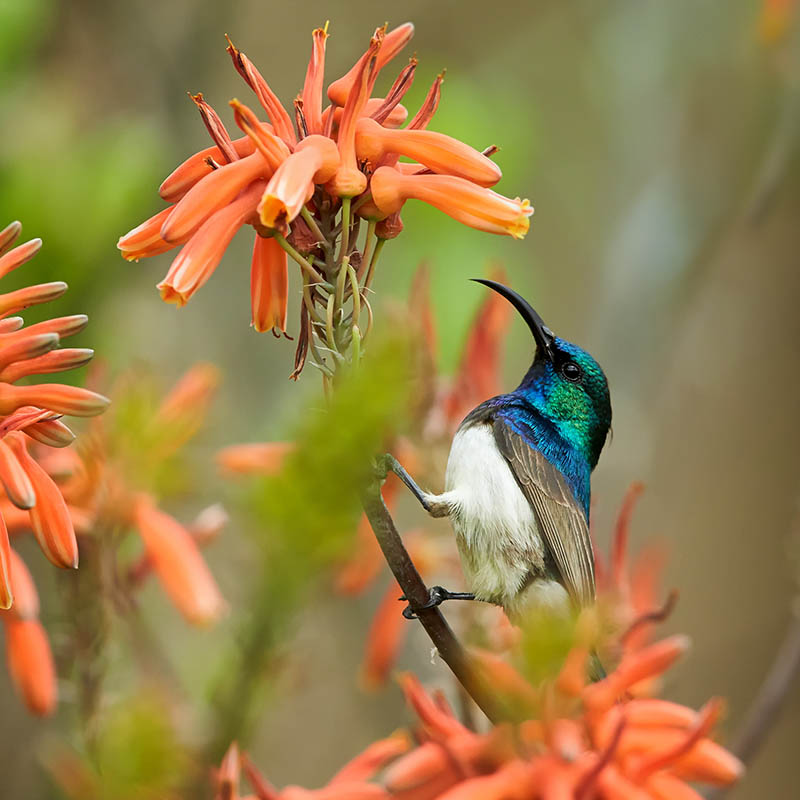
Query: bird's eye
x=571, y=371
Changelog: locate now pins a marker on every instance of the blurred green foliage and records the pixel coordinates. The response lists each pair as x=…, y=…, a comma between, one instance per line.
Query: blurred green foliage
x=310, y=509
x=137, y=756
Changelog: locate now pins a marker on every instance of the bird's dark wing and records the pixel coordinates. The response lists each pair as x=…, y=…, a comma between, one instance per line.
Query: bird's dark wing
x=561, y=520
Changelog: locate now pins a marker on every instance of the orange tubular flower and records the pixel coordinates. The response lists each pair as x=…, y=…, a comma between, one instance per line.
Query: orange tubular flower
x=23, y=589
x=197, y=166
x=269, y=285
x=30, y=664
x=394, y=41
x=178, y=564
x=473, y=205
x=211, y=194
x=254, y=459
x=349, y=180
x=315, y=160
x=50, y=519
x=440, y=153
x=315, y=75
x=199, y=258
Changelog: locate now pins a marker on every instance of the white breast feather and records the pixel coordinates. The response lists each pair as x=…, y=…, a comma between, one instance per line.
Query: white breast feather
x=495, y=527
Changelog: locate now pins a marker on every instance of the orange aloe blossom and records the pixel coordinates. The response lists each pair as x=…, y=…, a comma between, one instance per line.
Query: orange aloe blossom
x=465, y=202
x=110, y=487
x=30, y=664
x=617, y=748
x=178, y=563
x=307, y=189
x=32, y=413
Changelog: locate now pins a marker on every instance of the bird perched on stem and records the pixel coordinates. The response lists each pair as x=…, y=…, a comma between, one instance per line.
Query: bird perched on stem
x=518, y=481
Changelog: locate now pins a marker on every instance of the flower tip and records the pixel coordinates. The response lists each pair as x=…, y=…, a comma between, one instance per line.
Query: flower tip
x=171, y=295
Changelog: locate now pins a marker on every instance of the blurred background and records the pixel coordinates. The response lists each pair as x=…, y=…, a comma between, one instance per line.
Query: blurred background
x=658, y=143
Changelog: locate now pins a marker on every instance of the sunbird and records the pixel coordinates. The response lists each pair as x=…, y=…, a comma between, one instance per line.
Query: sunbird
x=517, y=484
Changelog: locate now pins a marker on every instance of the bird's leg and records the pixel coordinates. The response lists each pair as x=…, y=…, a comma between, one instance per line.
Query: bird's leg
x=436, y=596
x=435, y=505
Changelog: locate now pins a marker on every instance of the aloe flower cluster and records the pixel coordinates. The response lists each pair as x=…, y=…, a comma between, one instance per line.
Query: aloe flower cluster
x=596, y=742
x=31, y=501
x=309, y=183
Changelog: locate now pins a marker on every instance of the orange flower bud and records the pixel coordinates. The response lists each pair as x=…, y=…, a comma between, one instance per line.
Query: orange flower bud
x=664, y=786
x=30, y=663
x=54, y=361
x=23, y=589
x=513, y=781
x=374, y=758
x=254, y=459
x=269, y=285
x=384, y=639
x=438, y=722
x=9, y=235
x=652, y=711
x=11, y=324
x=315, y=160
x=709, y=763
x=228, y=774
x=11, y=302
x=277, y=114
x=63, y=326
x=55, y=396
x=14, y=478
x=6, y=567
x=428, y=769
x=28, y=346
x=647, y=663
x=50, y=432
x=177, y=562
x=145, y=239
x=342, y=791
x=187, y=174
x=440, y=153
x=199, y=258
x=393, y=42
x=473, y=205
x=363, y=566
x=191, y=393
x=19, y=255
x=212, y=193
x=17, y=519
x=315, y=76
x=50, y=519
x=208, y=524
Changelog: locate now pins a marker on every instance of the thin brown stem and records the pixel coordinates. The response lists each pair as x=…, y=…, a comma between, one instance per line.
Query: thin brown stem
x=768, y=703
x=416, y=592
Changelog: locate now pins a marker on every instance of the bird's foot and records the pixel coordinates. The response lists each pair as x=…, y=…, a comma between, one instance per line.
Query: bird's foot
x=436, y=596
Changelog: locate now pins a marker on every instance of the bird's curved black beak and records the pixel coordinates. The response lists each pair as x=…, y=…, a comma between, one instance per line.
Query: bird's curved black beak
x=541, y=333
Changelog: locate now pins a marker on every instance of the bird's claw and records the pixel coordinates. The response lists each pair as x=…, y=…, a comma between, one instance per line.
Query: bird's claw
x=436, y=596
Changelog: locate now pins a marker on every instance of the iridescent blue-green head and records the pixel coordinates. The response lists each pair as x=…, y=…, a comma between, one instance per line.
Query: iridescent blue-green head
x=564, y=383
